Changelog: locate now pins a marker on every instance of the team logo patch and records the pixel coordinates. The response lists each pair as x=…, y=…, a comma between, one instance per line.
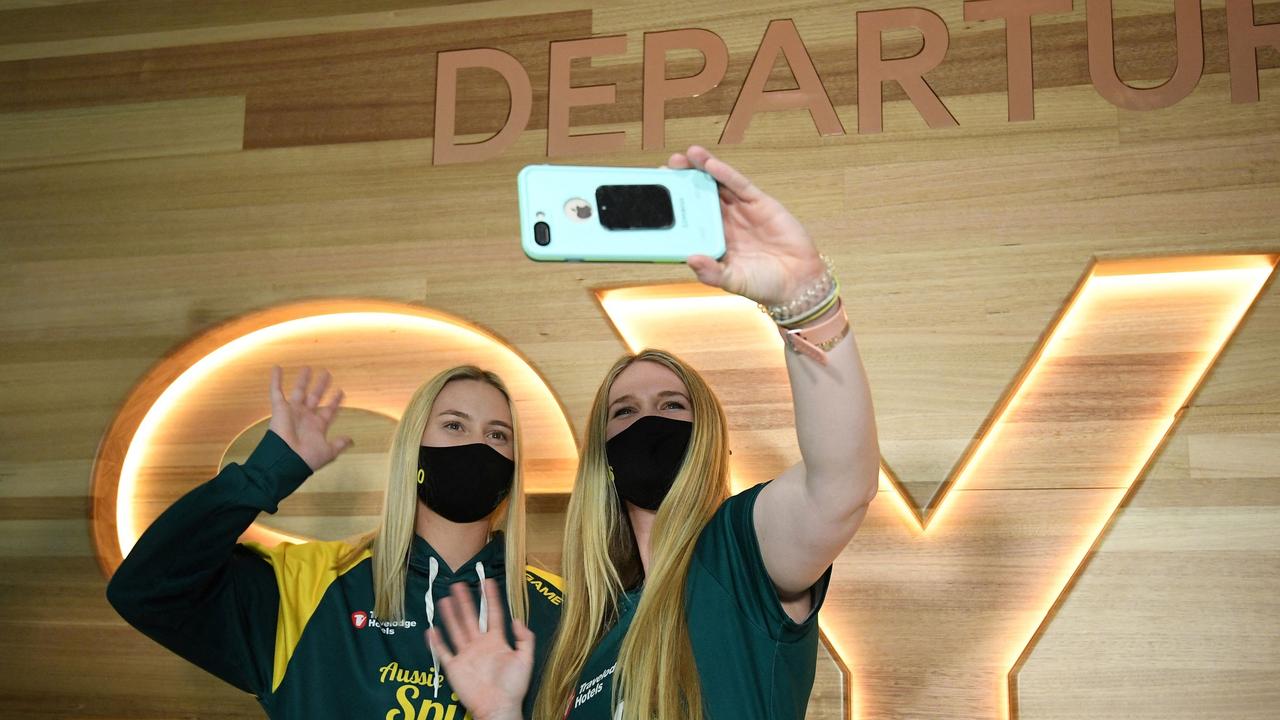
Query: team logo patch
x=367, y=619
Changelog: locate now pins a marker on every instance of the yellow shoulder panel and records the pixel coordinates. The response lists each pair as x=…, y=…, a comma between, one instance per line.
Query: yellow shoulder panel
x=545, y=584
x=545, y=576
x=303, y=573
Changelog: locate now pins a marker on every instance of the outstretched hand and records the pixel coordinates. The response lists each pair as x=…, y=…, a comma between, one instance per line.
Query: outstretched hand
x=303, y=418
x=769, y=256
x=489, y=676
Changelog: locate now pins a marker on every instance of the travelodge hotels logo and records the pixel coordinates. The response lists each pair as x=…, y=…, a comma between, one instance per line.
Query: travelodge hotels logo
x=361, y=619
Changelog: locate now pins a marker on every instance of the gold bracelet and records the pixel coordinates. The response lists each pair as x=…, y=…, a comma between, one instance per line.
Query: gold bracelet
x=817, y=294
x=827, y=303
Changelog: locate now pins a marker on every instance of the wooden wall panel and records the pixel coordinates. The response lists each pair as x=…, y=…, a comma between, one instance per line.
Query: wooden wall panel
x=52, y=21
x=1180, y=600
x=378, y=84
x=118, y=132
x=89, y=43
x=316, y=89
x=958, y=248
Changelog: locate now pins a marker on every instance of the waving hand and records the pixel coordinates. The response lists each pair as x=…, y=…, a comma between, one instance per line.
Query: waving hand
x=302, y=418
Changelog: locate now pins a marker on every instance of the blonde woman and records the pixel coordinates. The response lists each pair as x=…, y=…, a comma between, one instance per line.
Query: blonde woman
x=334, y=629
x=680, y=603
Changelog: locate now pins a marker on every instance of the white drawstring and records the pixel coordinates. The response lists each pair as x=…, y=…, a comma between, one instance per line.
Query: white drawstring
x=484, y=600
x=433, y=568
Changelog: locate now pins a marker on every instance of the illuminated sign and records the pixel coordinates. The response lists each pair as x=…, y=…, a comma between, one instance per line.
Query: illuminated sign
x=932, y=611
x=177, y=421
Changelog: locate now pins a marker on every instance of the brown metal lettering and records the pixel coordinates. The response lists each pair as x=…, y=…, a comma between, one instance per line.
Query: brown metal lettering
x=1102, y=65
x=445, y=148
x=658, y=88
x=781, y=36
x=1243, y=40
x=874, y=70
x=562, y=96
x=1017, y=32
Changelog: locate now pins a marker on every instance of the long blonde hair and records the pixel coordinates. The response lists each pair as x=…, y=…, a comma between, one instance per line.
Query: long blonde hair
x=390, y=543
x=656, y=675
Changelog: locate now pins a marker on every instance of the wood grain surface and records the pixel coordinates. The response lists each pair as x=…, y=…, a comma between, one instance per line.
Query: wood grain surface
x=166, y=168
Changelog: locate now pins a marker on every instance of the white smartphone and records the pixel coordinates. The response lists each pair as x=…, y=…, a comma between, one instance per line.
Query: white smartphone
x=618, y=214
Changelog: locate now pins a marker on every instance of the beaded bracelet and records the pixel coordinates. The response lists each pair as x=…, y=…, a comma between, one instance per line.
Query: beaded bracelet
x=818, y=311
x=822, y=292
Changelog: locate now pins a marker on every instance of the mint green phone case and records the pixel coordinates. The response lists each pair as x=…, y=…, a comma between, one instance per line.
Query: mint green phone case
x=555, y=195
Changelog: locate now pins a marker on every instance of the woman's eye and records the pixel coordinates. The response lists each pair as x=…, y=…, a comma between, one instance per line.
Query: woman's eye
x=621, y=411
x=498, y=435
x=672, y=405
x=453, y=425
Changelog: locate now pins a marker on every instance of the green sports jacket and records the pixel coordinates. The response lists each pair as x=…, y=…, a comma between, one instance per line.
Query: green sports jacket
x=288, y=624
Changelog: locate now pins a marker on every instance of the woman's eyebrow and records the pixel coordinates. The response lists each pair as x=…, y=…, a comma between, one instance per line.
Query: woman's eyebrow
x=664, y=393
x=464, y=416
x=623, y=398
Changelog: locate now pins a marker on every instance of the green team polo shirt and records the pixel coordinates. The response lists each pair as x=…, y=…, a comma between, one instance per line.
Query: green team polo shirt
x=753, y=660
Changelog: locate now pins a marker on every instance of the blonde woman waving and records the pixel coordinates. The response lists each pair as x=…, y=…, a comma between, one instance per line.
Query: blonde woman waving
x=333, y=629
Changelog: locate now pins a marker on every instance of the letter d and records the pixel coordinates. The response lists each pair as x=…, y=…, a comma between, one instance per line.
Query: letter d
x=446, y=147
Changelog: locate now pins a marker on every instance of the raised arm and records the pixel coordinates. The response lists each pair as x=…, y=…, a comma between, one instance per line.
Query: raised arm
x=809, y=513
x=189, y=586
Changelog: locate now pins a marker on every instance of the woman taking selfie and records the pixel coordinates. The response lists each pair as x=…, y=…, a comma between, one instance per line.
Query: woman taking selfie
x=680, y=603
x=333, y=629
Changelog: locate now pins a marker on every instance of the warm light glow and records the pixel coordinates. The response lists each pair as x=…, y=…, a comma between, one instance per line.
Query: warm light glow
x=257, y=347
x=842, y=656
x=639, y=313
x=635, y=307
x=229, y=353
x=901, y=503
x=1245, y=282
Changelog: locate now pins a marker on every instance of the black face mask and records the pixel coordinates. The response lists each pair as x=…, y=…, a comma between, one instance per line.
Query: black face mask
x=645, y=458
x=463, y=483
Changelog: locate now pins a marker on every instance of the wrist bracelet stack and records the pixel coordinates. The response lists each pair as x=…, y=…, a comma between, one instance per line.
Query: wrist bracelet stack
x=817, y=300
x=818, y=294
x=815, y=341
x=824, y=304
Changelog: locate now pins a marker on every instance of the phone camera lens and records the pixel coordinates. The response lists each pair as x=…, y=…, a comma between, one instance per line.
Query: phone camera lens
x=542, y=233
